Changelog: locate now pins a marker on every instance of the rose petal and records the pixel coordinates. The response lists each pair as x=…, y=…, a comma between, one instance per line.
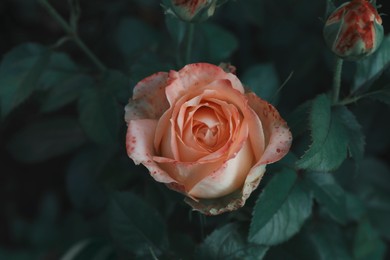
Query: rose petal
x=185, y=173
x=232, y=201
x=148, y=98
x=139, y=146
x=193, y=76
x=228, y=178
x=277, y=135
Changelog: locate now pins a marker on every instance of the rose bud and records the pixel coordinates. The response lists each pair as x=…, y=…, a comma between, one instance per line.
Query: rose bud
x=192, y=10
x=197, y=131
x=354, y=30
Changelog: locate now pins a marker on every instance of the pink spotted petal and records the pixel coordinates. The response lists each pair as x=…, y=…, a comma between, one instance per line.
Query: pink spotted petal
x=139, y=146
x=148, y=99
x=277, y=135
x=196, y=75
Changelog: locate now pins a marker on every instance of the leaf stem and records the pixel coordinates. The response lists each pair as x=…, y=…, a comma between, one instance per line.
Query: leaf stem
x=354, y=99
x=348, y=101
x=68, y=29
x=189, y=43
x=337, y=79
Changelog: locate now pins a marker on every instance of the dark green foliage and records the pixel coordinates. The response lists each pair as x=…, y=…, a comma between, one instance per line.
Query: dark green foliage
x=20, y=71
x=136, y=226
x=280, y=211
x=46, y=139
x=335, y=132
x=229, y=242
x=69, y=191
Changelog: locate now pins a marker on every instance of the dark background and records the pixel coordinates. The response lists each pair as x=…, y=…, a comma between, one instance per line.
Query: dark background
x=287, y=33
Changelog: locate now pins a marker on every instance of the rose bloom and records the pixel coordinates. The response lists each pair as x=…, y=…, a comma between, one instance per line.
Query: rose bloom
x=197, y=131
x=354, y=30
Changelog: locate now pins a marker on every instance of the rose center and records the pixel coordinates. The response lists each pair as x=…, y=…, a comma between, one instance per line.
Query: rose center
x=206, y=127
x=206, y=136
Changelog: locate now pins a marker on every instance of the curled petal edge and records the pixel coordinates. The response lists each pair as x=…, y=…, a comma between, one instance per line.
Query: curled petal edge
x=233, y=201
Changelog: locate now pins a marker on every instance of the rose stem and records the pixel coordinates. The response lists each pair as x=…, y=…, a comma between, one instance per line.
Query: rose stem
x=337, y=79
x=190, y=39
x=56, y=16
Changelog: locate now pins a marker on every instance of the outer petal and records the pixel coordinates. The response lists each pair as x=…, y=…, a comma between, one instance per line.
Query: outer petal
x=148, y=98
x=277, y=135
x=139, y=146
x=232, y=201
x=196, y=75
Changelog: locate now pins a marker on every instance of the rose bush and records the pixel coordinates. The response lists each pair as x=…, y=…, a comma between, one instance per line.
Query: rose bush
x=199, y=132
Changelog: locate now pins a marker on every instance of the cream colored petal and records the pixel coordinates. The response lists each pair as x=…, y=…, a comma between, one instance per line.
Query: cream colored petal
x=194, y=76
x=148, y=99
x=139, y=146
x=277, y=135
x=228, y=178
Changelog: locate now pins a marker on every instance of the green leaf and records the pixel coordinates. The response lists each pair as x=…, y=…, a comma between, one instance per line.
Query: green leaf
x=334, y=133
x=286, y=221
x=99, y=115
x=43, y=231
x=329, y=242
x=263, y=80
x=271, y=199
x=369, y=69
x=66, y=92
x=299, y=247
x=368, y=245
x=46, y=139
x=355, y=206
x=229, y=242
x=280, y=210
x=135, y=225
x=329, y=142
x=219, y=43
x=298, y=120
x=20, y=71
x=329, y=194
x=356, y=139
x=59, y=68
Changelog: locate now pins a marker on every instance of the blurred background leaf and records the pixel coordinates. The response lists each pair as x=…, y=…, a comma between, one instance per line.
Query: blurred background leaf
x=43, y=140
x=20, y=71
x=136, y=226
x=229, y=242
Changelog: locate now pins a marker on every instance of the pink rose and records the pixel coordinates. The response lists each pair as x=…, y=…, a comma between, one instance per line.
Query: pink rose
x=197, y=131
x=354, y=30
